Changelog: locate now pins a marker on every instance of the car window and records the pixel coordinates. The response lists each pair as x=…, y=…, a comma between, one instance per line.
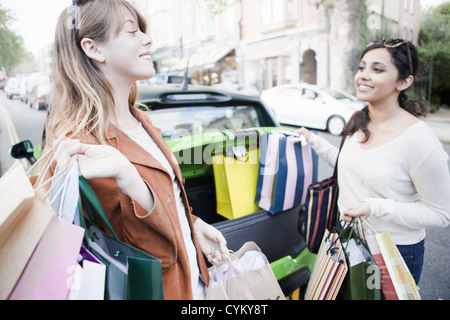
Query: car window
x=309, y=94
x=337, y=95
x=183, y=121
x=290, y=92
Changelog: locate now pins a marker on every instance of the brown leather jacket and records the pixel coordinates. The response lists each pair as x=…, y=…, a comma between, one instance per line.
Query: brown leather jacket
x=157, y=232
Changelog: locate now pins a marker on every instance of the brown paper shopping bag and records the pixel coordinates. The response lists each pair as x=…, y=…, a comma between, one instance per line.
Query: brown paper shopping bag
x=246, y=275
x=24, y=216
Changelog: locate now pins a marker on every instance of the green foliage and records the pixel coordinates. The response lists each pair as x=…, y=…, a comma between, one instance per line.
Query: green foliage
x=12, y=50
x=434, y=48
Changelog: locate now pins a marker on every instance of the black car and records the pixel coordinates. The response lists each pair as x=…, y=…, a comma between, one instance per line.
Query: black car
x=197, y=122
x=191, y=121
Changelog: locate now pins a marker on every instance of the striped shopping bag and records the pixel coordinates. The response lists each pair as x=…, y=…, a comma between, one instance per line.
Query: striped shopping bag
x=285, y=172
x=321, y=208
x=329, y=269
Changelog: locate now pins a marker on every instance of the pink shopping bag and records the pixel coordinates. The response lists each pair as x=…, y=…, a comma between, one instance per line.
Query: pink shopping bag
x=47, y=274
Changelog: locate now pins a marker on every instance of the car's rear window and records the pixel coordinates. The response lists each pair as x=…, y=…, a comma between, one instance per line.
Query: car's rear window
x=176, y=122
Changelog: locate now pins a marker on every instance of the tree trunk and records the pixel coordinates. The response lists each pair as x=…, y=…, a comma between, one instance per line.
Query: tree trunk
x=343, y=42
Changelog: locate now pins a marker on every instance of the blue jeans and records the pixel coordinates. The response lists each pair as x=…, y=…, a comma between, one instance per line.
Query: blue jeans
x=413, y=256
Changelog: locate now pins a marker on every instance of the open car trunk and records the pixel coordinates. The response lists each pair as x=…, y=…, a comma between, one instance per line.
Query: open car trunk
x=278, y=235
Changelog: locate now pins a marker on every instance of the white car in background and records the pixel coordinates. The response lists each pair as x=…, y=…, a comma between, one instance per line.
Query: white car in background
x=12, y=87
x=311, y=106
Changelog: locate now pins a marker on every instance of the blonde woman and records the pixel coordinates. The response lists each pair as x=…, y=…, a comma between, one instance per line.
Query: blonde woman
x=392, y=168
x=101, y=49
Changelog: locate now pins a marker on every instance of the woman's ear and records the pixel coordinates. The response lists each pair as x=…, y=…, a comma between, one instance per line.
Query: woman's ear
x=405, y=83
x=91, y=49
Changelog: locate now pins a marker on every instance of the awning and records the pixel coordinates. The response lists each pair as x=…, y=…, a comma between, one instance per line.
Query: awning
x=202, y=60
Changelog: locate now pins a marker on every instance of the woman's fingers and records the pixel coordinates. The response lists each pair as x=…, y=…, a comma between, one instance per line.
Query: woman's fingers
x=64, y=149
x=363, y=210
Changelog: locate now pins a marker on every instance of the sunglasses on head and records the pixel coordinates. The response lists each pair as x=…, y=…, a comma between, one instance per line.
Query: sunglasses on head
x=395, y=43
x=75, y=12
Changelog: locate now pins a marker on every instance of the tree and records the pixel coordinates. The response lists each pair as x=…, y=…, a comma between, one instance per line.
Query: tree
x=433, y=48
x=344, y=19
x=12, y=50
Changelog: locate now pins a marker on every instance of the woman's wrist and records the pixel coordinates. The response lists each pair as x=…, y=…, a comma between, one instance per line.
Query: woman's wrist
x=130, y=183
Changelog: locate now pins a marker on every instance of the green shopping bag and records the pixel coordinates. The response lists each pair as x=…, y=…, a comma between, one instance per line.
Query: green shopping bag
x=130, y=273
x=363, y=279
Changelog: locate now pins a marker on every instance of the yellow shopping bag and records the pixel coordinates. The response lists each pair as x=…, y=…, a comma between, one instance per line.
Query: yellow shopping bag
x=236, y=176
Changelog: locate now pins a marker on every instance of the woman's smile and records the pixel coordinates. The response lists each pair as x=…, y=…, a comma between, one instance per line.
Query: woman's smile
x=146, y=56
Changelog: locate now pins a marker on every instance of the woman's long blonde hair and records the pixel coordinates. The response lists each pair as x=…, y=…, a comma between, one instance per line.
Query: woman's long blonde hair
x=81, y=99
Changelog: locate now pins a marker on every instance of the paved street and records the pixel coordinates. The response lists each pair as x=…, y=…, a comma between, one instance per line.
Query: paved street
x=435, y=281
x=28, y=123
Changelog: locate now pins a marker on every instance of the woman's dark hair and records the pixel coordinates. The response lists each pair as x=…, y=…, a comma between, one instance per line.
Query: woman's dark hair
x=401, y=60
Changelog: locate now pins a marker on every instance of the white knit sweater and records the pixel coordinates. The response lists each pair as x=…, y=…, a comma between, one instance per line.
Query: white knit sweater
x=406, y=181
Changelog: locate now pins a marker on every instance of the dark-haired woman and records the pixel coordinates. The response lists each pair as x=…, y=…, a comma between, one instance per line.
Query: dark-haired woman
x=392, y=168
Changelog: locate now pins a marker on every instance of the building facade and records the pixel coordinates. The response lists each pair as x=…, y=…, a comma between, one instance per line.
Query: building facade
x=257, y=43
x=395, y=18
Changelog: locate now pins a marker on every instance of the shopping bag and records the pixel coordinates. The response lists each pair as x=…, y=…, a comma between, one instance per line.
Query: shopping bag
x=329, y=271
x=88, y=279
x=246, y=275
x=64, y=192
x=235, y=177
x=285, y=172
x=397, y=282
x=130, y=273
x=46, y=275
x=363, y=280
x=24, y=216
x=321, y=208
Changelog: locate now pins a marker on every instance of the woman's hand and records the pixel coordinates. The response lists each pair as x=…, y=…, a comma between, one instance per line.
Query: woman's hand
x=100, y=161
x=211, y=241
x=95, y=161
x=304, y=132
x=363, y=210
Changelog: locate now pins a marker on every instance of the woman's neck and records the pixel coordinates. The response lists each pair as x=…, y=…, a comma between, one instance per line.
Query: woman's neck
x=382, y=112
x=122, y=117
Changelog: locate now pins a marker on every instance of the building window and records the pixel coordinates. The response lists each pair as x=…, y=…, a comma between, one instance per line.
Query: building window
x=207, y=20
x=229, y=16
x=266, y=12
x=186, y=22
x=277, y=11
x=405, y=5
x=291, y=10
x=411, y=6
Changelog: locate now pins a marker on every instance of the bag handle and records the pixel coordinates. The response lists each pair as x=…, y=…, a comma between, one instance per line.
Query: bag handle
x=93, y=203
x=369, y=225
x=354, y=226
x=340, y=148
x=232, y=270
x=337, y=160
x=350, y=224
x=243, y=286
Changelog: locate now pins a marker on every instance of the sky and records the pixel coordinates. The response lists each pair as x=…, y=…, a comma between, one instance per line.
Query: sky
x=35, y=20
